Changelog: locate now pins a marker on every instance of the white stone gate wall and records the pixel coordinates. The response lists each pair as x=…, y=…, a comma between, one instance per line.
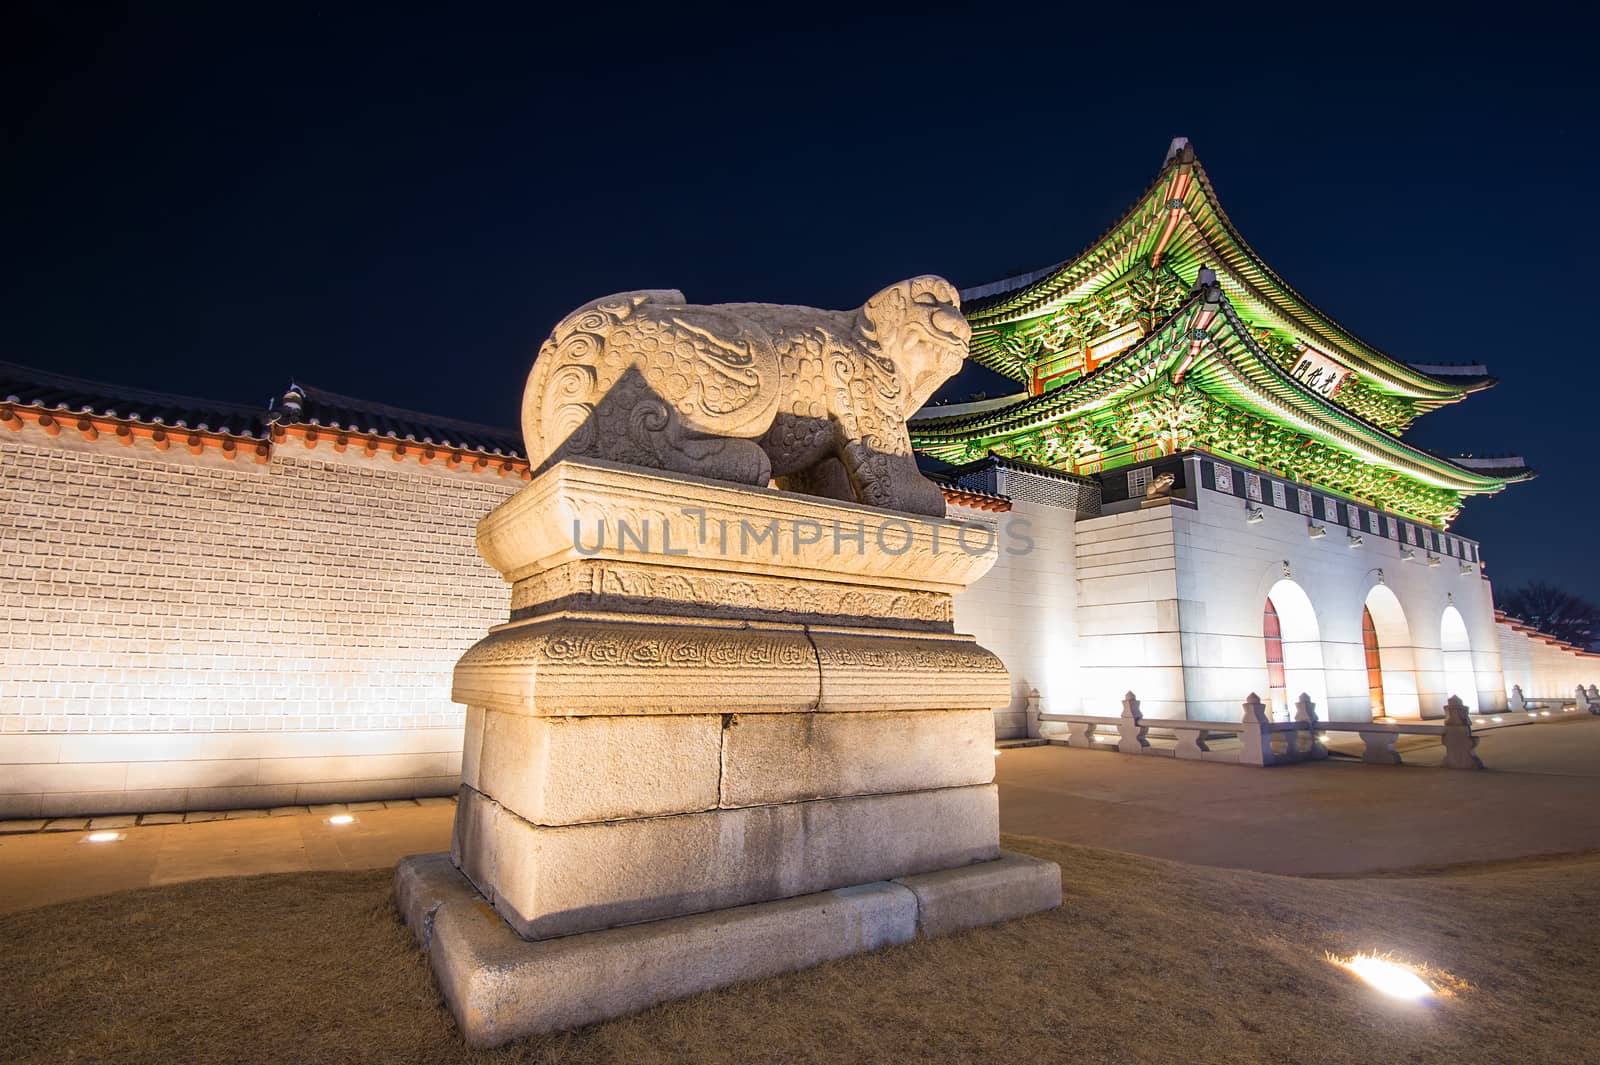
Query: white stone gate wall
x=1022, y=609
x=1129, y=633
x=1226, y=566
x=1170, y=602
x=185, y=632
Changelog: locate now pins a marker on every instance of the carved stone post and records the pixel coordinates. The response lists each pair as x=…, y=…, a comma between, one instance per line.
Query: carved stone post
x=1581, y=697
x=1192, y=743
x=1459, y=742
x=1130, y=727
x=1255, y=738
x=1306, y=714
x=1516, y=702
x=1080, y=734
x=1377, y=748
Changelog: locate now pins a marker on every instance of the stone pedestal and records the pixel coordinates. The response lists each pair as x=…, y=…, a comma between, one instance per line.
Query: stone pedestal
x=729, y=732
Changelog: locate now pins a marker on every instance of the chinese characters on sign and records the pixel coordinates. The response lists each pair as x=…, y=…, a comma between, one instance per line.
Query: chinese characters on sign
x=1318, y=372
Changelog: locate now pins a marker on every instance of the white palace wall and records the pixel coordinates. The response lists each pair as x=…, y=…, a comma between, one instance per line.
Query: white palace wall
x=1129, y=629
x=192, y=632
x=1541, y=669
x=185, y=632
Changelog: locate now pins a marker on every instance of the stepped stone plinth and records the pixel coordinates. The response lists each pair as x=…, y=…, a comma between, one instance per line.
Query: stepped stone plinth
x=728, y=731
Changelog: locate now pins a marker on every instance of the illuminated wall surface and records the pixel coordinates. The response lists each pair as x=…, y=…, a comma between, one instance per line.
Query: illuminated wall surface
x=188, y=631
x=222, y=607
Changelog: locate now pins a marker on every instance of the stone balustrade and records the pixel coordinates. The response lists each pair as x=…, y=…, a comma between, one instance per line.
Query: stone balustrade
x=1265, y=742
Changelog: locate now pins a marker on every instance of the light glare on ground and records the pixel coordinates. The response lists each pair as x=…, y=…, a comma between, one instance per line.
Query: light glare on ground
x=1392, y=978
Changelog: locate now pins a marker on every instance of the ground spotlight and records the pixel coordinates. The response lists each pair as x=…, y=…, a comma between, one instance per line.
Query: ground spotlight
x=342, y=819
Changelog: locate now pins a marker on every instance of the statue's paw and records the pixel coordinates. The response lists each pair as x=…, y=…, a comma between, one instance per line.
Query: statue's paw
x=917, y=495
x=740, y=461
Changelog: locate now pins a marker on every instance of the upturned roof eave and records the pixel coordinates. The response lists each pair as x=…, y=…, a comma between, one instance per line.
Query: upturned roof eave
x=1035, y=293
x=1332, y=328
x=1316, y=415
x=1327, y=419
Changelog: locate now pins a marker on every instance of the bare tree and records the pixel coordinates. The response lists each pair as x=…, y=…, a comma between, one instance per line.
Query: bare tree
x=1553, y=611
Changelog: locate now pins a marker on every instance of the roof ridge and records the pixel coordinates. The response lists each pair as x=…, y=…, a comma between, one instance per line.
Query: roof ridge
x=988, y=300
x=322, y=395
x=144, y=395
x=1004, y=287
x=1371, y=350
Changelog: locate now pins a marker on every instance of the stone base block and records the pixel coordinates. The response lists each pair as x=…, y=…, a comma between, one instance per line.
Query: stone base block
x=502, y=987
x=578, y=770
x=572, y=770
x=773, y=758
x=987, y=893
x=550, y=882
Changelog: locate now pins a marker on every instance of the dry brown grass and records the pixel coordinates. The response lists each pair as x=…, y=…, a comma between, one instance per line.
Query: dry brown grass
x=1148, y=961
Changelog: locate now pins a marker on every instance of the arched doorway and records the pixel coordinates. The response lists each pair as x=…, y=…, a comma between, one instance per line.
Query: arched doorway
x=1277, y=678
x=1459, y=678
x=1292, y=642
x=1390, y=660
x=1374, y=657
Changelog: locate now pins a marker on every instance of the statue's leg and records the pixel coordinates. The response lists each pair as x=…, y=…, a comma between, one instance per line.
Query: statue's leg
x=827, y=478
x=719, y=458
x=892, y=481
x=634, y=426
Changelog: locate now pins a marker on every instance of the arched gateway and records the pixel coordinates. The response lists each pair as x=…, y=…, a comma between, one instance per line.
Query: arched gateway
x=1390, y=656
x=1293, y=643
x=1459, y=678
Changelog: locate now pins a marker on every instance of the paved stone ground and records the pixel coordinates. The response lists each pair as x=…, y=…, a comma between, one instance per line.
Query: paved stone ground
x=1329, y=818
x=1332, y=818
x=37, y=868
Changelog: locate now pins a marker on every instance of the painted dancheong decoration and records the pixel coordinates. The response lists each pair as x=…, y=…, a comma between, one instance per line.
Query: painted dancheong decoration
x=747, y=392
x=1170, y=334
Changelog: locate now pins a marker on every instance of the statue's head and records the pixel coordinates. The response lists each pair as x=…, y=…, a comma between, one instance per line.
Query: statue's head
x=918, y=326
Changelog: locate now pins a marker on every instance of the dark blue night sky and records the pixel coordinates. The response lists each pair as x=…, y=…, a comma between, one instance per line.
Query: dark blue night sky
x=210, y=199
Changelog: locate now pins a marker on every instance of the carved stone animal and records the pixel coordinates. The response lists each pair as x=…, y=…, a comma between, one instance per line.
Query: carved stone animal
x=749, y=392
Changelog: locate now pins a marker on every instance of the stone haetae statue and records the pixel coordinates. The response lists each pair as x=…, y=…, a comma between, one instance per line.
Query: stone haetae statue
x=676, y=775
x=748, y=392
